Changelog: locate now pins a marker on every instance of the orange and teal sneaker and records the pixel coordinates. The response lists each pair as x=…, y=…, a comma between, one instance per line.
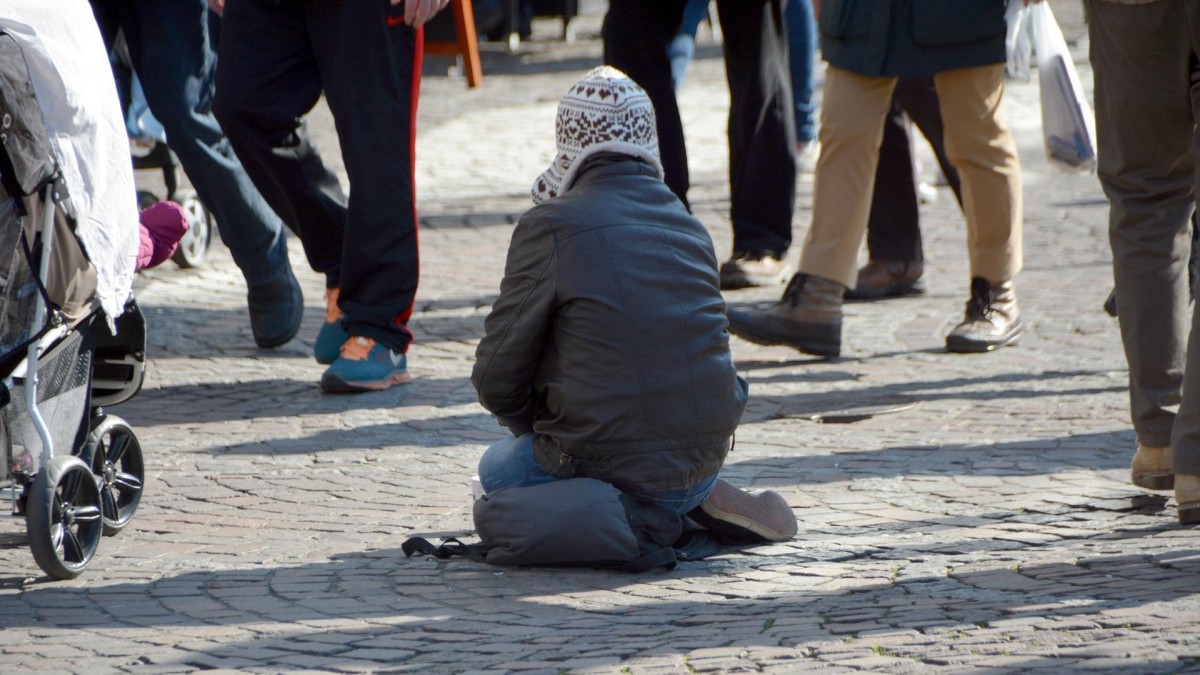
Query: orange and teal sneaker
x=365, y=365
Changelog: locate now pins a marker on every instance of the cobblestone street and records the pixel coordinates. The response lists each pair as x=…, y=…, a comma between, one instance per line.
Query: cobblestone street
x=957, y=512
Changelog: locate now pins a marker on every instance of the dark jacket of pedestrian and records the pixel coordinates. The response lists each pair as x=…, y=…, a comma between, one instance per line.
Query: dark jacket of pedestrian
x=609, y=335
x=911, y=38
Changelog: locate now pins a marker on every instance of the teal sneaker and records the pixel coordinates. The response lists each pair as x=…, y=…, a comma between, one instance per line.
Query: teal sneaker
x=331, y=336
x=365, y=365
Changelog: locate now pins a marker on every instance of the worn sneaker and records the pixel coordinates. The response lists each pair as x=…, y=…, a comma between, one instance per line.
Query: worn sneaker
x=734, y=514
x=365, y=365
x=332, y=335
x=745, y=270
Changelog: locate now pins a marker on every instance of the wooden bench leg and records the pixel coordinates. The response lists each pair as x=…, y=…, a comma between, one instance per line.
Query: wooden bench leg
x=468, y=42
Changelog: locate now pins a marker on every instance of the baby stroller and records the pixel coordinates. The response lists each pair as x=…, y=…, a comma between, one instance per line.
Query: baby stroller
x=74, y=472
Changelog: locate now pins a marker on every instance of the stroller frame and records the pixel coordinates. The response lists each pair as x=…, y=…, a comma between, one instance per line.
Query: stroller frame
x=72, y=471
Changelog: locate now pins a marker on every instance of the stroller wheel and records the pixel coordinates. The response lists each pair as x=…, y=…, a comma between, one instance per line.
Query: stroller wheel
x=193, y=247
x=115, y=456
x=63, y=519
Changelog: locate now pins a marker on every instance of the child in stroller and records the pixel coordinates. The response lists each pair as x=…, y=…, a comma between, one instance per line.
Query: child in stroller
x=72, y=339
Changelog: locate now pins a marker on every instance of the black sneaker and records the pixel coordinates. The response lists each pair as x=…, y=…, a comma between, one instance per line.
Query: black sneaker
x=276, y=309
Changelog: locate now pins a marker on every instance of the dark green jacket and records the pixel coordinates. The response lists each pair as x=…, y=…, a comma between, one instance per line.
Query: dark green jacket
x=911, y=38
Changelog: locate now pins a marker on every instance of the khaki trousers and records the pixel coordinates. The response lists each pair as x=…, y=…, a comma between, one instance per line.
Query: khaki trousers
x=977, y=142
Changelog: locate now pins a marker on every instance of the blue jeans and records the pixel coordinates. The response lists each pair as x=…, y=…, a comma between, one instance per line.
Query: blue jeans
x=171, y=45
x=510, y=463
x=802, y=56
x=683, y=47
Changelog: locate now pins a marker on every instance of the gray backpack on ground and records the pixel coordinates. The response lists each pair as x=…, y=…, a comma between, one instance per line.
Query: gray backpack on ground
x=575, y=522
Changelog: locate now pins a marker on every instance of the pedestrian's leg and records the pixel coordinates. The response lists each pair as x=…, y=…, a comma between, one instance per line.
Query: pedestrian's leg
x=1142, y=112
x=172, y=52
x=809, y=316
x=802, y=57
x=918, y=98
x=682, y=47
x=1145, y=129
x=893, y=231
x=853, y=111
x=762, y=126
x=267, y=79
x=636, y=35
x=369, y=62
x=982, y=148
x=1185, y=438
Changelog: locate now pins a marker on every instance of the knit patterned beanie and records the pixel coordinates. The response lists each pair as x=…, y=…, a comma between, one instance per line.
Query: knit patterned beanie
x=605, y=111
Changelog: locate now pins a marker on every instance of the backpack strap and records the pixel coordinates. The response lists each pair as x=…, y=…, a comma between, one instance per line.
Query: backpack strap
x=696, y=545
x=448, y=548
x=663, y=557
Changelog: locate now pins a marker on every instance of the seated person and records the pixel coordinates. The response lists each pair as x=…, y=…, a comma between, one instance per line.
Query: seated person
x=606, y=353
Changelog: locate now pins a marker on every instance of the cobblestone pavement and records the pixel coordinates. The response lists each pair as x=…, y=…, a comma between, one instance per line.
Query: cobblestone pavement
x=956, y=512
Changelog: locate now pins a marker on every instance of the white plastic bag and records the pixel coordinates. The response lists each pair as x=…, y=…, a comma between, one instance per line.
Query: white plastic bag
x=1067, y=123
x=1018, y=42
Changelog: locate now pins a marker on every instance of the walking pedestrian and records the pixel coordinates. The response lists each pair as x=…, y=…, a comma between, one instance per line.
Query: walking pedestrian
x=868, y=46
x=762, y=134
x=276, y=60
x=173, y=52
x=1143, y=59
x=896, y=256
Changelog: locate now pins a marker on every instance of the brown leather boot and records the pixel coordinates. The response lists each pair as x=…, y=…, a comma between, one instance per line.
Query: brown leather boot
x=888, y=279
x=992, y=319
x=1187, y=497
x=1151, y=468
x=808, y=318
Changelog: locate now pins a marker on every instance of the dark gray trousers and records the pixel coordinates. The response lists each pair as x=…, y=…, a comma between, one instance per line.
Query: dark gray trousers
x=1147, y=92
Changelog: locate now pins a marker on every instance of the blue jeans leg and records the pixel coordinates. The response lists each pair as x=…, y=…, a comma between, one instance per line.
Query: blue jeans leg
x=510, y=463
x=682, y=501
x=802, y=53
x=172, y=49
x=683, y=47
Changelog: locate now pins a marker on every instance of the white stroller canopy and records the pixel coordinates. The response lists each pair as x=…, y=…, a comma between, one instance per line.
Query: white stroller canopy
x=74, y=85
